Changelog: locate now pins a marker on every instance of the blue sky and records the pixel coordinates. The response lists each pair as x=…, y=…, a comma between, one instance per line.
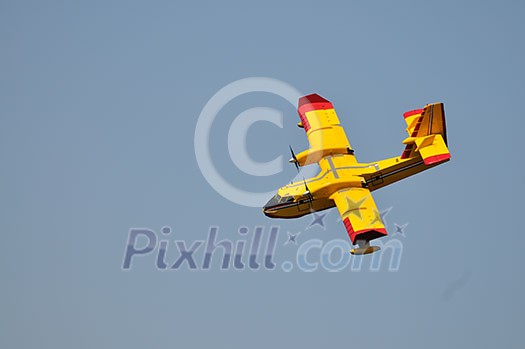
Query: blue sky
x=98, y=107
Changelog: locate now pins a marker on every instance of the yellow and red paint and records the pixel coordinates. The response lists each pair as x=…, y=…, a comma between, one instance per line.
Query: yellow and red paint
x=309, y=103
x=432, y=146
x=410, y=115
x=363, y=235
x=346, y=183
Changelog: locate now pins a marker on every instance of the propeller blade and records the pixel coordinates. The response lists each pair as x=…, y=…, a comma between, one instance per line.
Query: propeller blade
x=294, y=159
x=308, y=193
x=305, y=185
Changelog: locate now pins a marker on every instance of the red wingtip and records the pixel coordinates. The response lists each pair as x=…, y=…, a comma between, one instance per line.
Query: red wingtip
x=366, y=234
x=313, y=102
x=312, y=98
x=348, y=227
x=412, y=112
x=436, y=158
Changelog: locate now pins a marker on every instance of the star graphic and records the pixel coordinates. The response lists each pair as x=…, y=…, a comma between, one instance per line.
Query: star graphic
x=318, y=220
x=292, y=238
x=400, y=229
x=384, y=213
x=377, y=217
x=354, y=207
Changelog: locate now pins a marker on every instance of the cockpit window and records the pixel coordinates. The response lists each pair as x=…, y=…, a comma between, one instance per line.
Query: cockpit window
x=273, y=201
x=278, y=200
x=286, y=199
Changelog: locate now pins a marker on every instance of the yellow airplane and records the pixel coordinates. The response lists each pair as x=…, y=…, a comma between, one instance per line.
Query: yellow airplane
x=346, y=183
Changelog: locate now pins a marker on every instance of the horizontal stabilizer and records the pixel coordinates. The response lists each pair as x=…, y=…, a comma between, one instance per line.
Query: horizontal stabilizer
x=427, y=134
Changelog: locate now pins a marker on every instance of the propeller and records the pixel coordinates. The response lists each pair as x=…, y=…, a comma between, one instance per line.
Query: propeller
x=294, y=159
x=308, y=193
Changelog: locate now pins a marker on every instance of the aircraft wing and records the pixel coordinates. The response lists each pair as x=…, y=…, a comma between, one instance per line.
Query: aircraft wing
x=323, y=129
x=360, y=215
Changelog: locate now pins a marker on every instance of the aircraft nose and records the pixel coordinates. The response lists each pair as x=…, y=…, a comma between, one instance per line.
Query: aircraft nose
x=274, y=201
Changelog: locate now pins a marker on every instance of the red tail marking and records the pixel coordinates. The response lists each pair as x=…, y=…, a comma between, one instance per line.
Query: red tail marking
x=412, y=112
x=436, y=158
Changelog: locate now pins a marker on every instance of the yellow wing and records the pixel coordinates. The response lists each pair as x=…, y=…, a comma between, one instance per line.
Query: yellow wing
x=323, y=129
x=360, y=215
x=427, y=134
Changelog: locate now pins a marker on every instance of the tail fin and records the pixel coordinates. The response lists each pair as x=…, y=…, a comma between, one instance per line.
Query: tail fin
x=427, y=134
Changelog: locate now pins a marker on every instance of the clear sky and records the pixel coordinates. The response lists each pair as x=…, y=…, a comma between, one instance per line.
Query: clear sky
x=99, y=102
